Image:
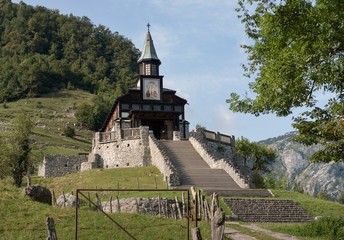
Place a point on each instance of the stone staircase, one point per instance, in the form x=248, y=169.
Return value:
x=266, y=210
x=194, y=171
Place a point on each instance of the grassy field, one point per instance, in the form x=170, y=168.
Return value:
x=51, y=114
x=25, y=219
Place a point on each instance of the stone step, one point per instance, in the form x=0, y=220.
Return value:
x=267, y=210
x=194, y=171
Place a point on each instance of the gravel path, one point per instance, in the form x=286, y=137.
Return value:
x=236, y=235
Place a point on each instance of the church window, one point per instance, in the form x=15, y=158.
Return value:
x=154, y=72
x=148, y=69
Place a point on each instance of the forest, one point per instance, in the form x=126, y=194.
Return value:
x=42, y=51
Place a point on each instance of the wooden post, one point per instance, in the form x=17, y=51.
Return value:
x=111, y=204
x=137, y=206
x=217, y=219
x=53, y=201
x=156, y=184
x=51, y=229
x=99, y=203
x=178, y=208
x=118, y=205
x=64, y=199
x=183, y=205
x=159, y=203
x=138, y=183
x=199, y=196
x=196, y=234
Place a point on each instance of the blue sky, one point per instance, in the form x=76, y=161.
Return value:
x=198, y=43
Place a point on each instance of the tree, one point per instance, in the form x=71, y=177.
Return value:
x=297, y=53
x=20, y=148
x=259, y=153
x=4, y=160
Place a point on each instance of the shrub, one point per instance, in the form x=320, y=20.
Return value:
x=69, y=132
x=322, y=195
x=257, y=179
x=331, y=228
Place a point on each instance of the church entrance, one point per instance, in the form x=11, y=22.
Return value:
x=157, y=127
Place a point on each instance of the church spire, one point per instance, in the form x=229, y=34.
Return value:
x=149, y=61
x=148, y=51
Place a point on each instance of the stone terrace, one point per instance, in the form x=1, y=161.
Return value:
x=267, y=210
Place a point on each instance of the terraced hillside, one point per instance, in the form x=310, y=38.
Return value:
x=51, y=114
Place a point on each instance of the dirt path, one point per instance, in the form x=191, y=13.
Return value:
x=236, y=235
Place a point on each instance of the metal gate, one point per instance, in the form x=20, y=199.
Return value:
x=85, y=194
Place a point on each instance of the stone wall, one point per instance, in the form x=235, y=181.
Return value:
x=218, y=155
x=130, y=150
x=153, y=206
x=59, y=165
x=160, y=159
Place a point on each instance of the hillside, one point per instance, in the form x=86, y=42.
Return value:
x=312, y=178
x=42, y=51
x=51, y=114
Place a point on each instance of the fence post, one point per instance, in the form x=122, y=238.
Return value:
x=51, y=229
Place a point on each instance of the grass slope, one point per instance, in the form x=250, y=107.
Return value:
x=25, y=219
x=51, y=114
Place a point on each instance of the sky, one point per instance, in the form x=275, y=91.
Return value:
x=198, y=43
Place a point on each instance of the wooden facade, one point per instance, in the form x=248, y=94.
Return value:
x=149, y=104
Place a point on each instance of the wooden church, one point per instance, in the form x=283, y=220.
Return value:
x=149, y=103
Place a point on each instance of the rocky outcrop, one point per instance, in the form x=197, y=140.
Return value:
x=38, y=193
x=293, y=163
x=67, y=200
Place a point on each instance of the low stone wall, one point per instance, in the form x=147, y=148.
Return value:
x=160, y=159
x=154, y=206
x=218, y=155
x=59, y=165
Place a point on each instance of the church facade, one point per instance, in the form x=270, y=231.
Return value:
x=149, y=112
x=149, y=104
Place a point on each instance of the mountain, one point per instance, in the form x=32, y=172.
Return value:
x=313, y=178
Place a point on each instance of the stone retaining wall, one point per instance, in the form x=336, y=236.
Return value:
x=218, y=155
x=160, y=159
x=128, y=152
x=59, y=165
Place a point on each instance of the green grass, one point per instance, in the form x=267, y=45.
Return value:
x=50, y=114
x=25, y=219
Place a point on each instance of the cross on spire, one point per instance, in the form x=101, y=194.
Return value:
x=148, y=25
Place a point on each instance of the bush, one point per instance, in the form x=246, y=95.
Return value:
x=257, y=179
x=331, y=228
x=322, y=195
x=69, y=132
x=272, y=181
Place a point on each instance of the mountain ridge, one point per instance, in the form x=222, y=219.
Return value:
x=312, y=178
